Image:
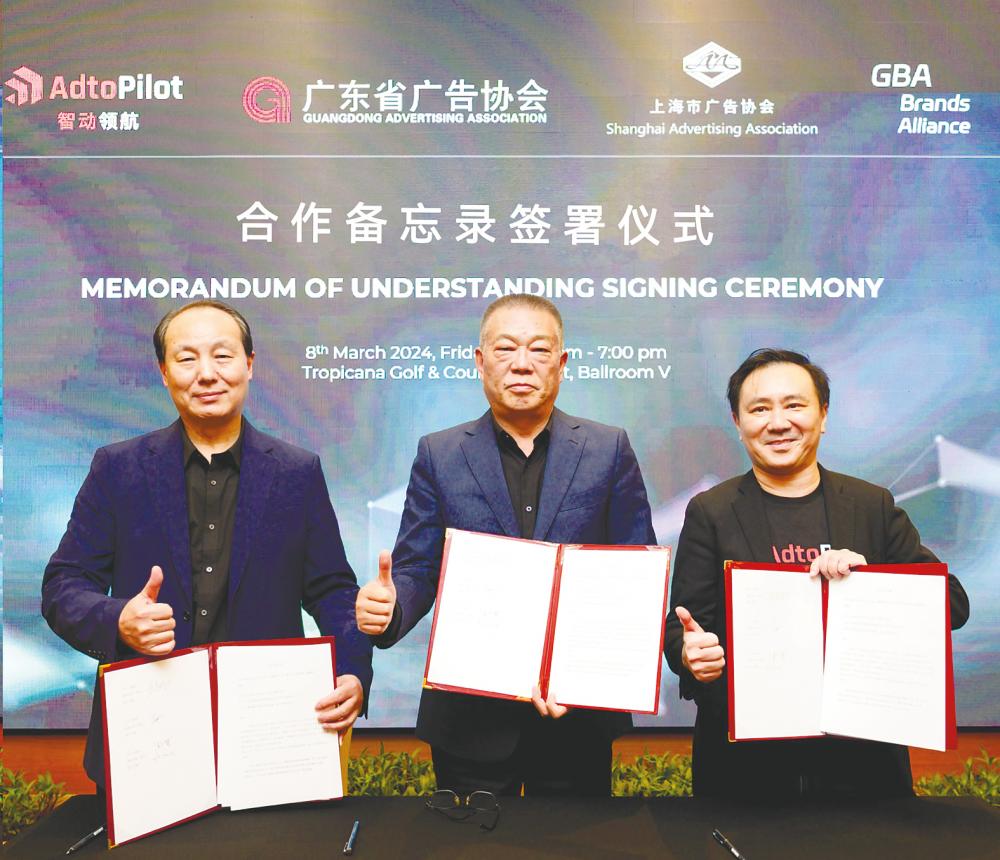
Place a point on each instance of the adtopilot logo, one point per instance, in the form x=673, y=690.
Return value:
x=27, y=87
x=712, y=64
x=274, y=93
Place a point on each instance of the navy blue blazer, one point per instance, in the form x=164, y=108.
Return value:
x=592, y=492
x=131, y=513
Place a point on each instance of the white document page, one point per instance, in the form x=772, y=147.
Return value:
x=776, y=653
x=272, y=749
x=492, y=613
x=160, y=746
x=885, y=658
x=598, y=661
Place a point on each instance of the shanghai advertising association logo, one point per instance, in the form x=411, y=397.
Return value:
x=712, y=64
x=26, y=85
x=273, y=93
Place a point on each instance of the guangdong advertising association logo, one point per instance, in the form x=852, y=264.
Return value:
x=26, y=85
x=443, y=101
x=268, y=100
x=712, y=64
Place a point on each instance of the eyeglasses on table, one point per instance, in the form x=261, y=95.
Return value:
x=455, y=808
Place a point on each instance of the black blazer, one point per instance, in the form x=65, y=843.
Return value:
x=728, y=523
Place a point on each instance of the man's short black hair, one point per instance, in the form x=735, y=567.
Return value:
x=160, y=332
x=769, y=355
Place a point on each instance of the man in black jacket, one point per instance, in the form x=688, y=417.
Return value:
x=786, y=507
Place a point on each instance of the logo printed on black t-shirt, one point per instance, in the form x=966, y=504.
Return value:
x=796, y=554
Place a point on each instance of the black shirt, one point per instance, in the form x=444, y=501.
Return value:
x=523, y=474
x=798, y=526
x=211, y=503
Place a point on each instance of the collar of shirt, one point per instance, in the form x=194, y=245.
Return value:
x=234, y=453
x=539, y=443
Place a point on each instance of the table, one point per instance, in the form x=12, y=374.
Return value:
x=612, y=828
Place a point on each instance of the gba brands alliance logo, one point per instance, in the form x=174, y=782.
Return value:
x=272, y=92
x=26, y=85
x=711, y=64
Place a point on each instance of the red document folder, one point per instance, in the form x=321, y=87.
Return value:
x=163, y=739
x=501, y=623
x=876, y=699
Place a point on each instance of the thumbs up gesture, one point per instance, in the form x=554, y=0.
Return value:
x=701, y=652
x=145, y=625
x=377, y=599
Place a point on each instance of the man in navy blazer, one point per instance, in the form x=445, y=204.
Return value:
x=524, y=469
x=142, y=568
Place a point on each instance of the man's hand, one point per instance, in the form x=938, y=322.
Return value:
x=701, y=652
x=836, y=563
x=547, y=707
x=377, y=600
x=338, y=711
x=145, y=625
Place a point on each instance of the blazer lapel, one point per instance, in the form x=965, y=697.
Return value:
x=257, y=467
x=749, y=510
x=566, y=443
x=839, y=512
x=165, y=475
x=483, y=456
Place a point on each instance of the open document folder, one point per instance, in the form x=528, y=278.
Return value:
x=585, y=622
x=231, y=724
x=867, y=656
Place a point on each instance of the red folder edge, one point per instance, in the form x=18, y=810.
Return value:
x=125, y=664
x=729, y=567
x=550, y=635
x=663, y=633
x=950, y=729
x=550, y=626
x=429, y=685
x=727, y=573
x=437, y=604
x=926, y=569
x=213, y=682
x=935, y=569
x=308, y=640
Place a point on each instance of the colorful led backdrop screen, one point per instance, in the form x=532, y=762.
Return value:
x=687, y=181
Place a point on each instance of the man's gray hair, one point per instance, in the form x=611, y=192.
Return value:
x=160, y=332
x=522, y=300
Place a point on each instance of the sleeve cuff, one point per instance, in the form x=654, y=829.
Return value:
x=391, y=634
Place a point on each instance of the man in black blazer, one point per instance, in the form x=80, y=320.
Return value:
x=786, y=508
x=523, y=469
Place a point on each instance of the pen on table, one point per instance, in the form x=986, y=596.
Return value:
x=90, y=837
x=725, y=843
x=349, y=845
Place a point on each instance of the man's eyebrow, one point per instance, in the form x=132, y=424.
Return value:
x=530, y=339
x=224, y=341
x=784, y=398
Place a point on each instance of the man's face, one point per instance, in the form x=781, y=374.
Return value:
x=780, y=419
x=521, y=360
x=205, y=367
